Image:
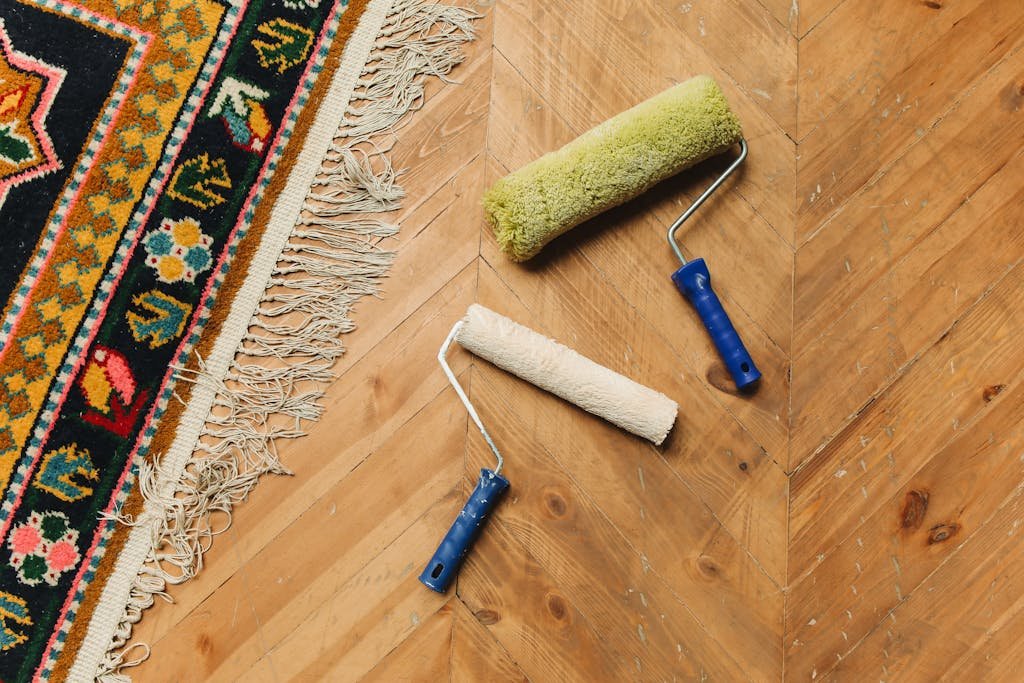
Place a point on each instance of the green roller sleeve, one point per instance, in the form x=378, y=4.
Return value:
x=609, y=165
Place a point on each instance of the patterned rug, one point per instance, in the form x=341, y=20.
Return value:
x=189, y=197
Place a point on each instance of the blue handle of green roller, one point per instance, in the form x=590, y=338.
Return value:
x=694, y=281
x=448, y=557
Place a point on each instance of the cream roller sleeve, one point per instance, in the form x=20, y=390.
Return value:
x=566, y=374
x=610, y=164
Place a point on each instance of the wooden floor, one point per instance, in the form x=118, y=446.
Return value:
x=857, y=519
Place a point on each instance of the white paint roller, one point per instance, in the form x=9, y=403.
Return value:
x=566, y=374
x=551, y=366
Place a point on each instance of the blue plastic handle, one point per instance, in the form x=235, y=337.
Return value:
x=694, y=281
x=448, y=557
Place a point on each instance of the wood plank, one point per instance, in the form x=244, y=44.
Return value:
x=344, y=635
x=582, y=487
x=786, y=12
x=810, y=13
x=997, y=656
x=344, y=531
x=902, y=428
x=878, y=453
x=889, y=555
x=540, y=43
x=475, y=654
x=955, y=610
x=866, y=135
x=715, y=458
x=540, y=626
x=844, y=66
x=220, y=563
x=917, y=195
x=378, y=501
x=908, y=309
x=424, y=655
x=757, y=51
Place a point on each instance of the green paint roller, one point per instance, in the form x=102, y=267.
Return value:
x=613, y=163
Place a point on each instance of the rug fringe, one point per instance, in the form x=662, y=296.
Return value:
x=333, y=258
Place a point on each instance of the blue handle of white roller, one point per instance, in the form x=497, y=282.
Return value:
x=694, y=281
x=448, y=557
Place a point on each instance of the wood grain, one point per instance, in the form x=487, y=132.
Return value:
x=843, y=68
x=889, y=555
x=475, y=654
x=423, y=655
x=877, y=126
x=709, y=451
x=919, y=193
x=909, y=308
x=809, y=13
x=980, y=353
x=857, y=518
x=979, y=587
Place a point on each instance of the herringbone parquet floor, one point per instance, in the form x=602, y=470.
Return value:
x=855, y=520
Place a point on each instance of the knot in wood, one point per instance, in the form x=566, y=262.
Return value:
x=557, y=606
x=942, y=532
x=915, y=505
x=487, y=616
x=708, y=567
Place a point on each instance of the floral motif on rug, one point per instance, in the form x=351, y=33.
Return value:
x=139, y=143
